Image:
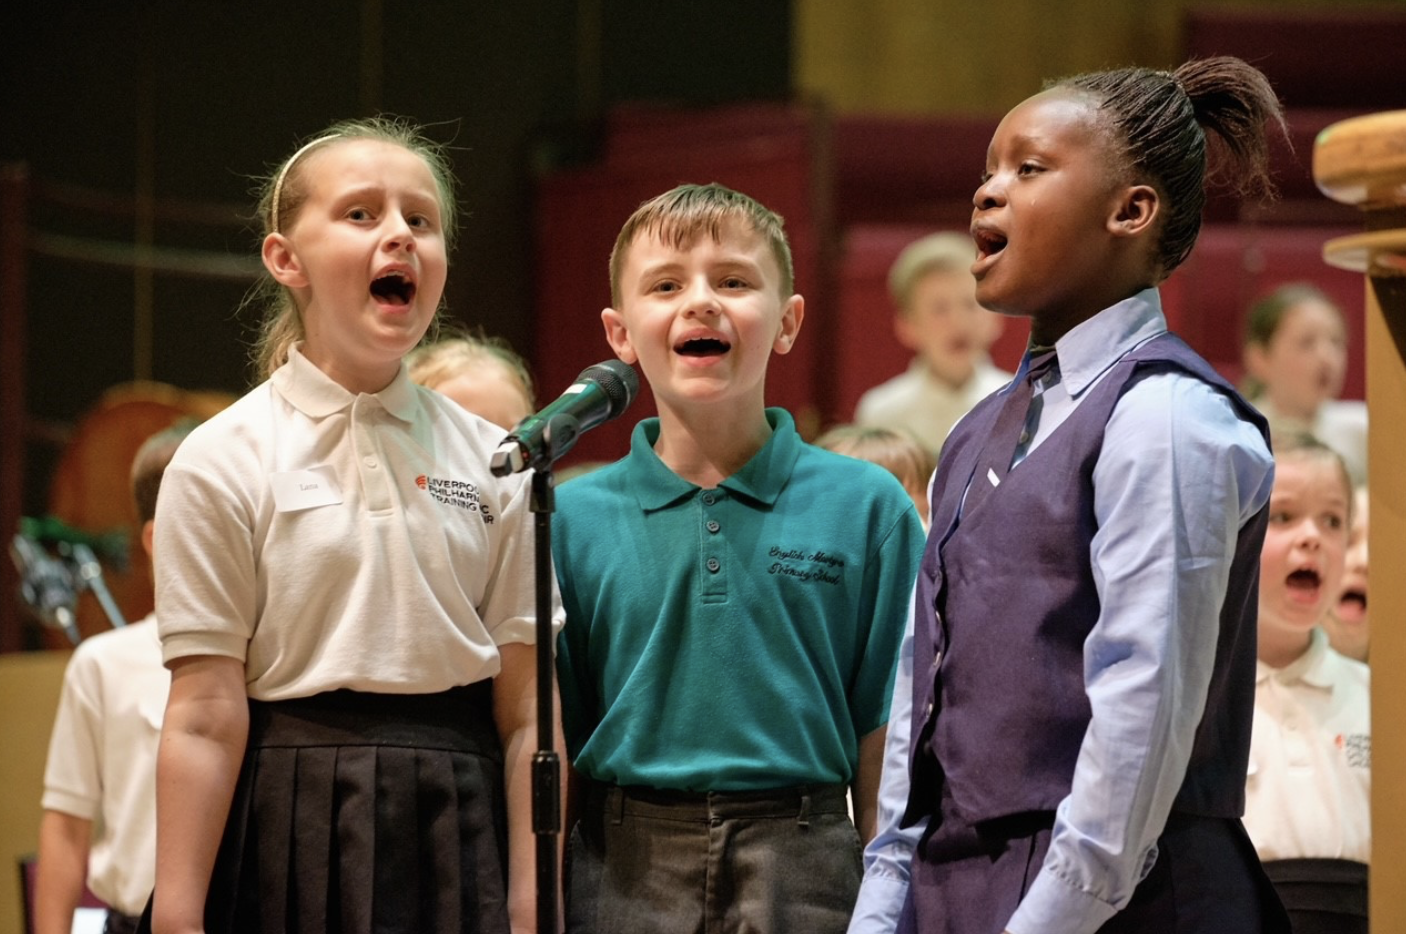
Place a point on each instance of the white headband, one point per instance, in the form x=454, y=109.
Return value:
x=283, y=173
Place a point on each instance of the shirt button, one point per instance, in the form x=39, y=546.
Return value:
x=709, y=499
x=369, y=461
x=712, y=525
x=714, y=564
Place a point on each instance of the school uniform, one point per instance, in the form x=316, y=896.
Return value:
x=918, y=402
x=1308, y=794
x=101, y=765
x=354, y=552
x=1071, y=629
x=725, y=652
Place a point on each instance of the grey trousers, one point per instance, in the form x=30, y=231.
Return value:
x=643, y=861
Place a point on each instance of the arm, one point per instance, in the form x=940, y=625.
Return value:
x=1178, y=475
x=865, y=790
x=202, y=746
x=889, y=855
x=62, y=870
x=515, y=710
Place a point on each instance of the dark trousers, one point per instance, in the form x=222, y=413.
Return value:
x=1322, y=896
x=1207, y=880
x=642, y=861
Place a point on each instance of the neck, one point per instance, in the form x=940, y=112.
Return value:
x=708, y=449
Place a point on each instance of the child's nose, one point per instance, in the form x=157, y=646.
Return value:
x=701, y=300
x=986, y=195
x=398, y=235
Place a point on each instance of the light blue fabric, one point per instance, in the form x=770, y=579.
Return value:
x=1178, y=475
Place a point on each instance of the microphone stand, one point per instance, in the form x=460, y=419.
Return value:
x=546, y=764
x=561, y=433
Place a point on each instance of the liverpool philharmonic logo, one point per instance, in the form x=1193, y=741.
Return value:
x=459, y=493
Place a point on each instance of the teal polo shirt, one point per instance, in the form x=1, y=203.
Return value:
x=743, y=637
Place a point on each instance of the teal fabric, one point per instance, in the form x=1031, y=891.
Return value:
x=731, y=639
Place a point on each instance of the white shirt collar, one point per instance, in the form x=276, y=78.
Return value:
x=317, y=395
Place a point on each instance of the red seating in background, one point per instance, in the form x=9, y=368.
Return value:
x=1340, y=57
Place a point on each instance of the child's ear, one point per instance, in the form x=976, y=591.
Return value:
x=617, y=335
x=792, y=314
x=1136, y=211
x=282, y=263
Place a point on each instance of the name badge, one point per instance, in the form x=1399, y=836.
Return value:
x=304, y=489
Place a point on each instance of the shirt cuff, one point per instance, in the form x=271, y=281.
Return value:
x=71, y=804
x=879, y=904
x=176, y=645
x=1055, y=906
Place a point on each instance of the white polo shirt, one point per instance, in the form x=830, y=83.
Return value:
x=337, y=540
x=102, y=757
x=1310, y=758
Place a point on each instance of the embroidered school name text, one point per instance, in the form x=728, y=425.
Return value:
x=803, y=565
x=459, y=493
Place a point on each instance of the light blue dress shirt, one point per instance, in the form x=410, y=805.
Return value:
x=1178, y=475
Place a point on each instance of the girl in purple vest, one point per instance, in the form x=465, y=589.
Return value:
x=1084, y=627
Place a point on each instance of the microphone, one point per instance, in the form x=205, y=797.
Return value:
x=600, y=393
x=51, y=530
x=46, y=586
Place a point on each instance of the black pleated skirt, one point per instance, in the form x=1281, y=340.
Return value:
x=364, y=813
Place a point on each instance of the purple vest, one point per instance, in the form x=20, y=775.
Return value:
x=1004, y=604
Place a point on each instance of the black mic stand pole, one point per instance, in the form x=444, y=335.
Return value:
x=546, y=764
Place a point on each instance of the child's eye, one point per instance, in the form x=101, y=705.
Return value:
x=358, y=214
x=665, y=286
x=1027, y=168
x=419, y=220
x=1278, y=517
x=985, y=177
x=1334, y=522
x=734, y=282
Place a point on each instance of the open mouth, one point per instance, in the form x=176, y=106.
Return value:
x=394, y=288
x=1304, y=581
x=988, y=242
x=1352, y=605
x=702, y=347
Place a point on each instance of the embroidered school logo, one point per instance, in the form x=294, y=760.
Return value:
x=807, y=565
x=458, y=493
x=1357, y=748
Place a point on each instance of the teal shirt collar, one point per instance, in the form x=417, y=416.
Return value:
x=761, y=479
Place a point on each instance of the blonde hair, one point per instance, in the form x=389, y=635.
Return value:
x=946, y=251
x=455, y=351
x=679, y=217
x=281, y=198
x=1289, y=443
x=897, y=452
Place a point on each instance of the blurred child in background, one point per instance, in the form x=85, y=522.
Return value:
x=483, y=374
x=896, y=451
x=939, y=320
x=1295, y=358
x=1309, y=780
x=1346, y=623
